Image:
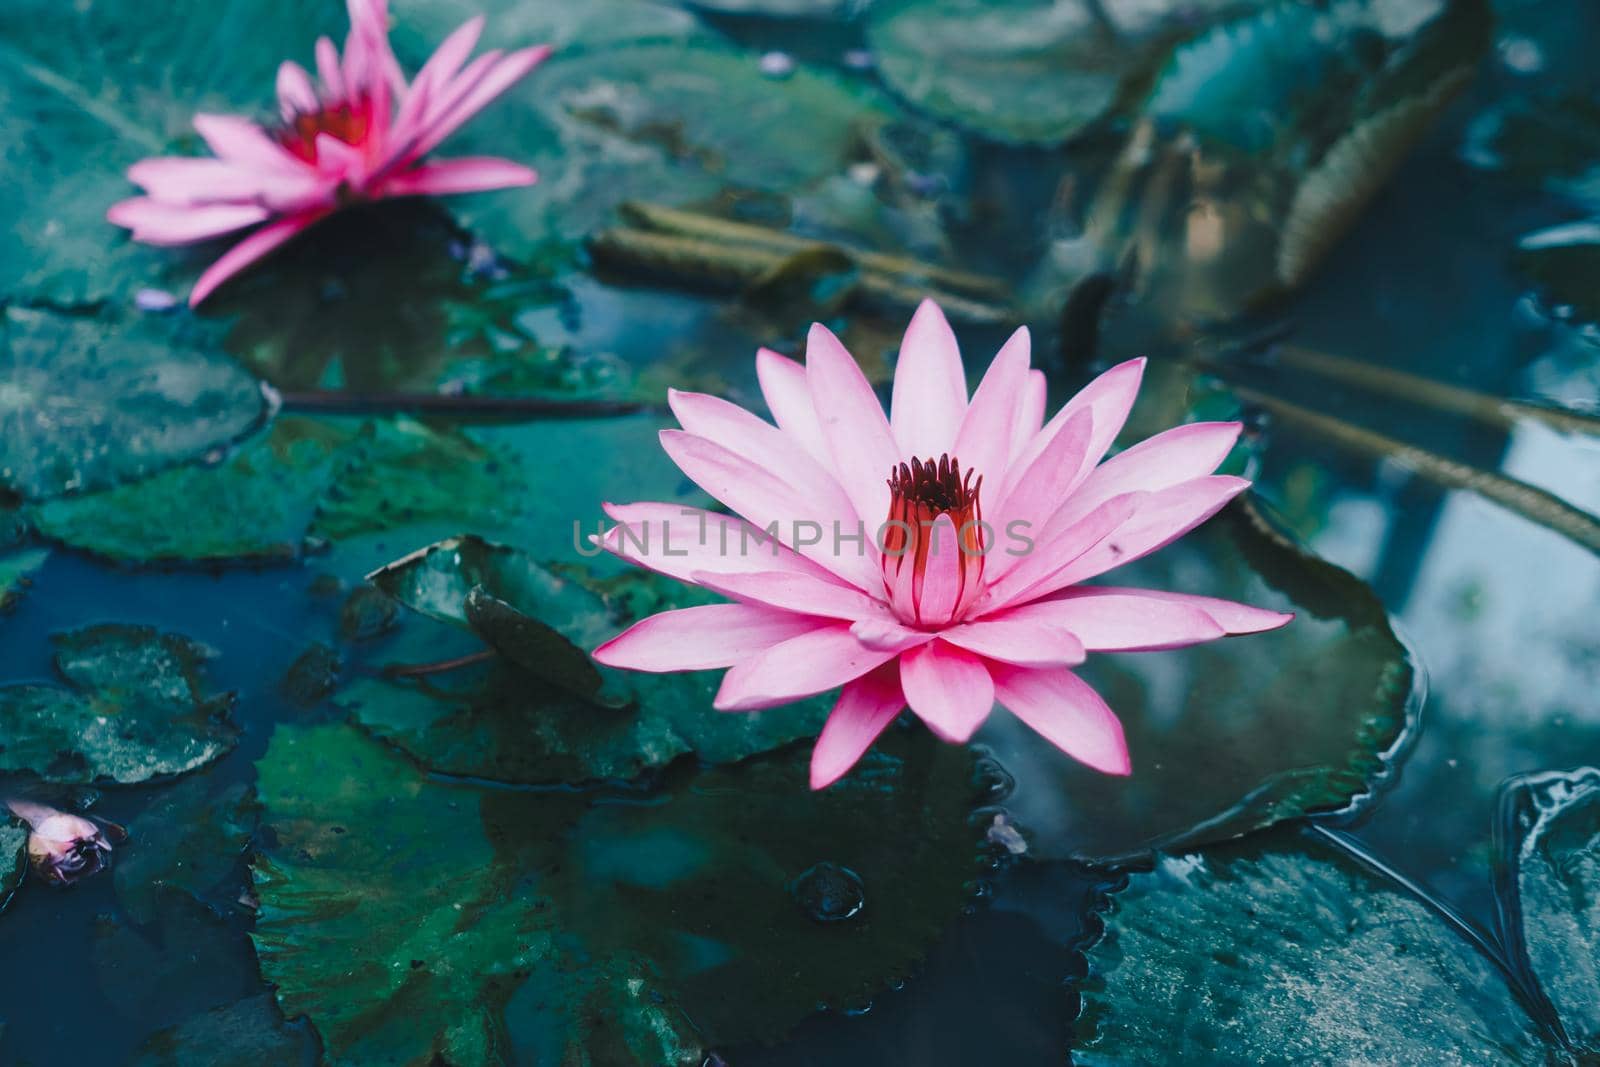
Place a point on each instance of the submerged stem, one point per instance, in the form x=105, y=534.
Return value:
x=418, y=670
x=1532, y=503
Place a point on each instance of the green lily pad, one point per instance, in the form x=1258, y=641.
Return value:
x=308, y=478
x=567, y=28
x=1282, y=950
x=84, y=405
x=672, y=123
x=788, y=9
x=190, y=839
x=247, y=1033
x=13, y=858
x=15, y=570
x=92, y=89
x=546, y=712
x=1234, y=735
x=1029, y=71
x=133, y=709
x=498, y=926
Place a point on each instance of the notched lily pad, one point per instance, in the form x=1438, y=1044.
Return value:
x=545, y=712
x=1280, y=949
x=1234, y=735
x=134, y=708
x=498, y=926
x=85, y=405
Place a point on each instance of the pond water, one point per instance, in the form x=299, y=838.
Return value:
x=491, y=865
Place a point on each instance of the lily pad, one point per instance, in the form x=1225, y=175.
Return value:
x=191, y=839
x=85, y=405
x=247, y=1033
x=322, y=479
x=1234, y=735
x=672, y=123
x=546, y=712
x=15, y=569
x=90, y=89
x=497, y=926
x=133, y=709
x=1280, y=949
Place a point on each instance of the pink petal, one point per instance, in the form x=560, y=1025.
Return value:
x=1160, y=519
x=243, y=142
x=783, y=384
x=949, y=688
x=328, y=69
x=1030, y=418
x=1176, y=455
x=942, y=586
x=1012, y=638
x=706, y=637
x=679, y=541
x=174, y=224
x=1114, y=621
x=769, y=502
x=1109, y=397
x=185, y=180
x=506, y=73
x=852, y=422
x=983, y=442
x=1232, y=616
x=296, y=94
x=473, y=174
x=866, y=707
x=789, y=591
x=403, y=148
x=1065, y=711
x=436, y=73
x=1036, y=572
x=886, y=635
x=248, y=251
x=800, y=667
x=338, y=161
x=930, y=386
x=1039, y=488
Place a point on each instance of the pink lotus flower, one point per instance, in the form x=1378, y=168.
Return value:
x=63, y=848
x=357, y=133
x=982, y=522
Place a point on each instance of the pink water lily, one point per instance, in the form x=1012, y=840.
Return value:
x=982, y=522
x=62, y=848
x=358, y=131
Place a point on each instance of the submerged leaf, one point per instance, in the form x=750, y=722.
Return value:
x=1280, y=949
x=135, y=710
x=497, y=926
x=15, y=569
x=85, y=405
x=13, y=858
x=246, y=1033
x=191, y=839
x=1234, y=735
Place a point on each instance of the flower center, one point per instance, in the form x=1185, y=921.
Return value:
x=347, y=121
x=933, y=541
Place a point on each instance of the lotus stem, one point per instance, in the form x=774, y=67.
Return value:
x=1532, y=503
x=418, y=670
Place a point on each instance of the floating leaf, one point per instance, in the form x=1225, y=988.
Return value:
x=190, y=839
x=15, y=570
x=791, y=9
x=1280, y=949
x=246, y=1033
x=499, y=926
x=667, y=122
x=535, y=718
x=135, y=710
x=84, y=405
x=326, y=479
x=1234, y=735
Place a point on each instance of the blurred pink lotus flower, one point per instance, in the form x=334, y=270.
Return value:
x=357, y=132
x=63, y=848
x=981, y=520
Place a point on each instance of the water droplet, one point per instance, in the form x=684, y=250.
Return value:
x=829, y=893
x=777, y=64
x=860, y=59
x=154, y=300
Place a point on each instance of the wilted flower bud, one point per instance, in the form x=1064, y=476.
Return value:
x=63, y=848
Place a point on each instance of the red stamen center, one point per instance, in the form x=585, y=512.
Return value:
x=919, y=493
x=347, y=121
